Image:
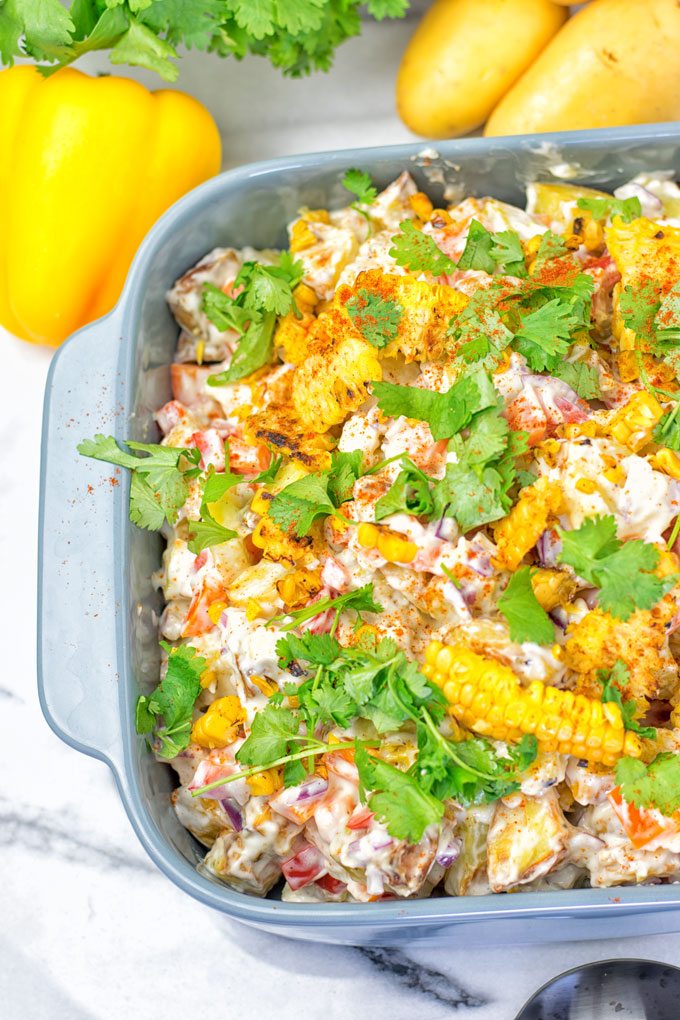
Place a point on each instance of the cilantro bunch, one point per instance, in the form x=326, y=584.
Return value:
x=262, y=293
x=166, y=714
x=656, y=785
x=297, y=36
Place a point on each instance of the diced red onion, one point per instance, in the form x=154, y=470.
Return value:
x=232, y=812
x=311, y=789
x=448, y=854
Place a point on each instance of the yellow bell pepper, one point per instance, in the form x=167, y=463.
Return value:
x=86, y=167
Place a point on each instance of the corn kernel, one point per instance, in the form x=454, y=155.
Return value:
x=200, y=351
x=615, y=475
x=586, y=485
x=261, y=502
x=254, y=610
x=627, y=366
x=264, y=684
x=264, y=783
x=220, y=724
x=633, y=424
x=396, y=549
x=421, y=205
x=367, y=535
x=215, y=610
x=667, y=461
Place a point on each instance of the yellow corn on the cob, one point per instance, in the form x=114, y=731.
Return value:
x=488, y=698
x=298, y=587
x=393, y=547
x=633, y=424
x=219, y=725
x=519, y=532
x=279, y=546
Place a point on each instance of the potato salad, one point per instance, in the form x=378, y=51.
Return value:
x=419, y=481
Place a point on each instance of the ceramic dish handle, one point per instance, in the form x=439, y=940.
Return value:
x=77, y=612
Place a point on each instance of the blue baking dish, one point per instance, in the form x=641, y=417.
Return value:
x=98, y=647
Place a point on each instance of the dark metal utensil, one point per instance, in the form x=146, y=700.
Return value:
x=609, y=990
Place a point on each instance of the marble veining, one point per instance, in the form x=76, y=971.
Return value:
x=90, y=929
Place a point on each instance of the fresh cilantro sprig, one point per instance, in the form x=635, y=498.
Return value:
x=377, y=318
x=527, y=619
x=656, y=785
x=263, y=292
x=409, y=493
x=489, y=252
x=419, y=252
x=208, y=532
x=667, y=431
x=621, y=570
x=551, y=247
x=613, y=682
x=446, y=413
x=297, y=37
x=166, y=714
x=607, y=207
x=360, y=184
x=583, y=379
x=361, y=600
x=159, y=485
x=397, y=798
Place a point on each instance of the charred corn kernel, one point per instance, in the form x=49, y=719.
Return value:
x=264, y=783
x=261, y=501
x=215, y=610
x=615, y=475
x=421, y=205
x=301, y=236
x=253, y=610
x=586, y=485
x=667, y=564
x=276, y=544
x=297, y=588
x=264, y=684
x=552, y=587
x=589, y=232
x=488, y=698
x=519, y=532
x=666, y=461
x=305, y=298
x=633, y=424
x=589, y=429
x=293, y=334
x=220, y=724
x=396, y=549
x=367, y=535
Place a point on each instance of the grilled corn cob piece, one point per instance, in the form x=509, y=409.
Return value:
x=488, y=698
x=333, y=380
x=219, y=725
x=519, y=532
x=598, y=640
x=293, y=333
x=552, y=587
x=283, y=431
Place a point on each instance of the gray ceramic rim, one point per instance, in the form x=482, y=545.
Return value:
x=433, y=912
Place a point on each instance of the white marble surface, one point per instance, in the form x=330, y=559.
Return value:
x=90, y=929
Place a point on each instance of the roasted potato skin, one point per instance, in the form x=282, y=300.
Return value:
x=614, y=63
x=464, y=56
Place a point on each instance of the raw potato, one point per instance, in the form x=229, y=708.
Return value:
x=615, y=62
x=464, y=56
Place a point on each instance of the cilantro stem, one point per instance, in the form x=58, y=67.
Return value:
x=674, y=533
x=447, y=747
x=306, y=752
x=383, y=464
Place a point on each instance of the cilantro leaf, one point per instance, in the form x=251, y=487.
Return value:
x=477, y=251
x=607, y=207
x=656, y=785
x=361, y=185
x=583, y=379
x=359, y=599
x=527, y=619
x=638, y=309
x=486, y=251
x=344, y=471
x=418, y=252
x=262, y=293
x=319, y=649
x=296, y=507
x=158, y=486
x=667, y=321
x=272, y=730
x=613, y=681
x=409, y=493
x=667, y=431
x=446, y=413
x=376, y=317
x=621, y=570
x=168, y=710
x=397, y=800
x=544, y=335
x=207, y=533
x=552, y=246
